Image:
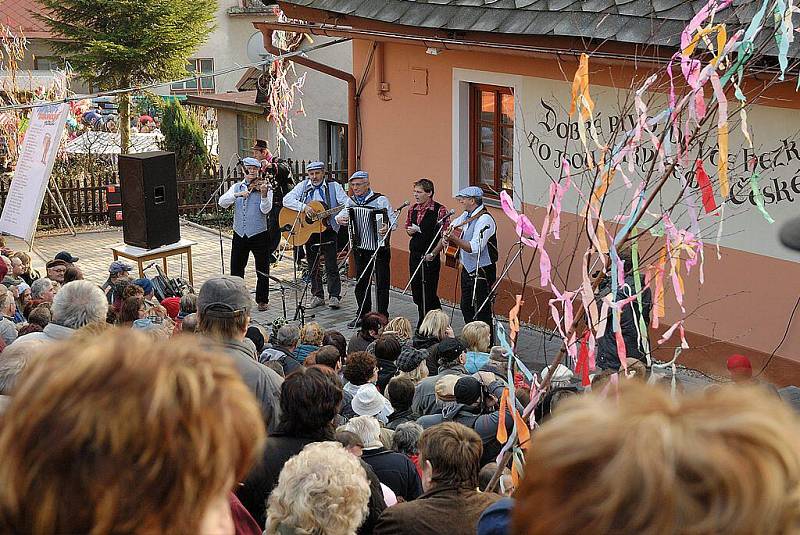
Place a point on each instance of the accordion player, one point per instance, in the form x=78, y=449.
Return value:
x=367, y=212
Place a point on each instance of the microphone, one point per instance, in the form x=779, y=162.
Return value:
x=406, y=203
x=448, y=214
x=484, y=229
x=241, y=162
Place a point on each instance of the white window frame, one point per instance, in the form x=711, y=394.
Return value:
x=462, y=78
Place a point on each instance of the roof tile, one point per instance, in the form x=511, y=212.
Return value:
x=632, y=21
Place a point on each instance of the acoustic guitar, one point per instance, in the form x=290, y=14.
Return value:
x=451, y=252
x=298, y=230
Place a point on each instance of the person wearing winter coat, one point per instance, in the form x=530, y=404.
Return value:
x=635, y=340
x=475, y=406
x=450, y=458
x=310, y=399
x=451, y=362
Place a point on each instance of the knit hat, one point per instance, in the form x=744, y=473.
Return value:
x=467, y=390
x=449, y=350
x=367, y=401
x=173, y=306
x=22, y=287
x=739, y=366
x=445, y=387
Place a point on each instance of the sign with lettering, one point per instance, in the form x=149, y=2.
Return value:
x=32, y=173
x=550, y=135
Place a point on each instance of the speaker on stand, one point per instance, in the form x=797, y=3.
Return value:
x=149, y=199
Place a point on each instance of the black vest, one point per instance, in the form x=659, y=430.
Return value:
x=422, y=240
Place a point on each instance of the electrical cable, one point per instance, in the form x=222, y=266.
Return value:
x=138, y=88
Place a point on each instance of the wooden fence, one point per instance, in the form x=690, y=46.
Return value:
x=86, y=198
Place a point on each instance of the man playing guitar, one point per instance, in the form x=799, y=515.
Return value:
x=477, y=248
x=331, y=194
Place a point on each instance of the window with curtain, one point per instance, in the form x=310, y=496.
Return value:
x=491, y=138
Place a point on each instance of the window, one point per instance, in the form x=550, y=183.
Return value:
x=333, y=143
x=197, y=66
x=246, y=128
x=491, y=125
x=48, y=63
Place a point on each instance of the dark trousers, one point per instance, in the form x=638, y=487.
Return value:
x=381, y=275
x=425, y=285
x=273, y=229
x=323, y=243
x=240, y=254
x=486, y=278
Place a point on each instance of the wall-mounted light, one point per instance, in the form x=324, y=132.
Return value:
x=433, y=51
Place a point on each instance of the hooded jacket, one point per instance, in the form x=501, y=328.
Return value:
x=425, y=401
x=483, y=424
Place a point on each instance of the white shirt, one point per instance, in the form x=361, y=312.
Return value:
x=297, y=198
x=229, y=197
x=478, y=242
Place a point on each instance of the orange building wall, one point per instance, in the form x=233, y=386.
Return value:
x=746, y=299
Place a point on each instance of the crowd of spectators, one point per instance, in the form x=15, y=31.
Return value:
x=123, y=414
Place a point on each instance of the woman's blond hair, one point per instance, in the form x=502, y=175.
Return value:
x=417, y=374
x=434, y=324
x=476, y=335
x=719, y=462
x=122, y=434
x=312, y=334
x=321, y=490
x=400, y=327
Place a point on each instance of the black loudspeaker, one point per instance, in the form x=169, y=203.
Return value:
x=149, y=199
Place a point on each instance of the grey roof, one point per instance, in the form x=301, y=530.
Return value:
x=652, y=22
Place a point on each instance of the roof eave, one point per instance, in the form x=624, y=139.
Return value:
x=200, y=100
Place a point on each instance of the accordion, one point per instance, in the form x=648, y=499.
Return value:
x=364, y=224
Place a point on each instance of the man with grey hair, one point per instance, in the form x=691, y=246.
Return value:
x=13, y=360
x=76, y=304
x=406, y=440
x=42, y=290
x=394, y=470
x=283, y=349
x=189, y=324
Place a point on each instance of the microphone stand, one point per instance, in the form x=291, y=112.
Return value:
x=435, y=240
x=371, y=264
x=297, y=299
x=216, y=194
x=500, y=279
x=477, y=271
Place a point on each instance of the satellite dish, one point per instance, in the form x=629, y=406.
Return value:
x=255, y=48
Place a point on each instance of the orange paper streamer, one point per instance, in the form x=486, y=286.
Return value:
x=502, y=434
x=513, y=319
x=580, y=90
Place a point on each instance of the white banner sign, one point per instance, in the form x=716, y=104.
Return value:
x=32, y=173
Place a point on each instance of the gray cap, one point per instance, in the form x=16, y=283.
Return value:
x=224, y=297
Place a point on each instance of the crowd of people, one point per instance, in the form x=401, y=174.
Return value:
x=128, y=415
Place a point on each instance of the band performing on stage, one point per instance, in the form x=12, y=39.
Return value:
x=310, y=214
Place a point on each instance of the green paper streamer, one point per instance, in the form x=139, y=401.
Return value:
x=637, y=285
x=759, y=197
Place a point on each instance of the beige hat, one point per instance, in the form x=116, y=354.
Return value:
x=445, y=387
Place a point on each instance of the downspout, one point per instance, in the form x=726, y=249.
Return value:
x=381, y=85
x=352, y=99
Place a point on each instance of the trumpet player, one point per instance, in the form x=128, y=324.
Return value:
x=252, y=202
